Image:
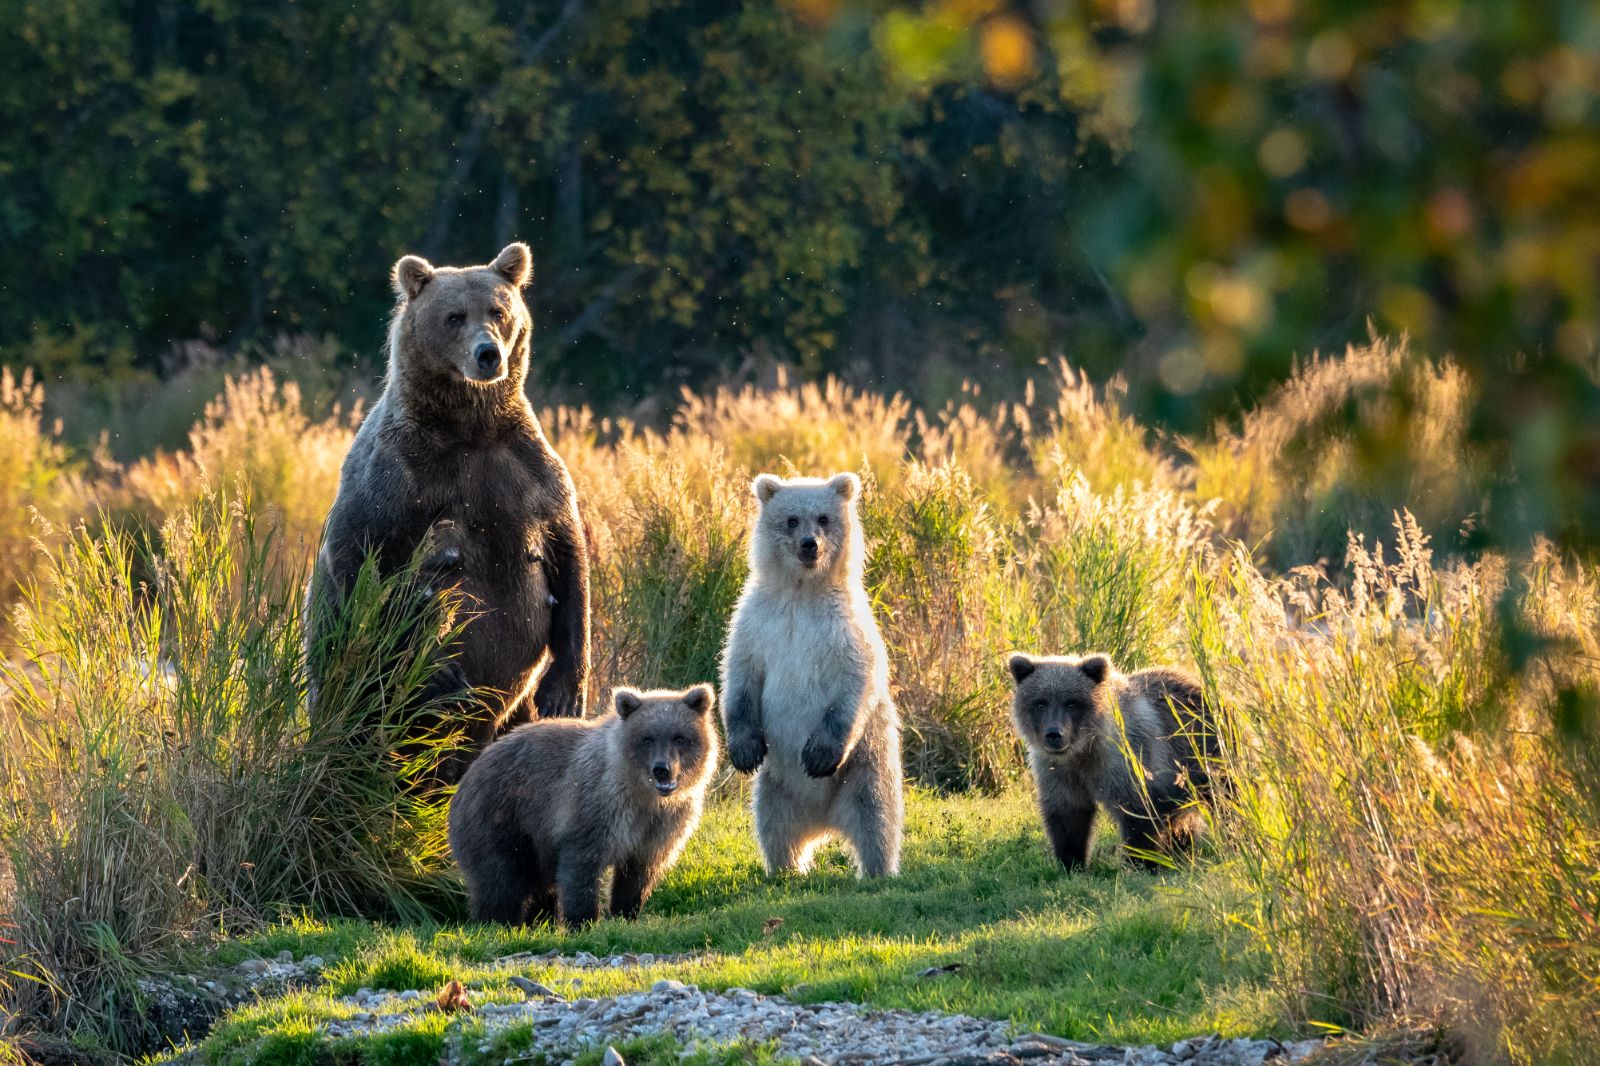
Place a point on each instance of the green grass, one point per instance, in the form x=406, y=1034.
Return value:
x=1110, y=954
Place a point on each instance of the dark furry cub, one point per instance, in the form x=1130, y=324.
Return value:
x=542, y=814
x=1146, y=774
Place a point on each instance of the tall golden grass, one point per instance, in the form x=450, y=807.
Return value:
x=1410, y=738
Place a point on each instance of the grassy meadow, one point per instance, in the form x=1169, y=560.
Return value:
x=1411, y=839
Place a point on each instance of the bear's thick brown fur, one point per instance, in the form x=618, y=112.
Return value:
x=1137, y=744
x=541, y=815
x=453, y=455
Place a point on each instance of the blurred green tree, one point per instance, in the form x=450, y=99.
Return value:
x=1291, y=174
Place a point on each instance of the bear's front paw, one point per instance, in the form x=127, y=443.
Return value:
x=746, y=752
x=821, y=756
x=557, y=697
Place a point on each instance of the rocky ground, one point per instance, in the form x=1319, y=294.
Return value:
x=835, y=1034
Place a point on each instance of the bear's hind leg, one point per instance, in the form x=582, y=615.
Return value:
x=786, y=830
x=869, y=812
x=503, y=886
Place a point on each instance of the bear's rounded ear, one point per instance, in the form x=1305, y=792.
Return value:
x=1021, y=666
x=627, y=701
x=699, y=699
x=766, y=487
x=514, y=263
x=411, y=273
x=1095, y=668
x=846, y=485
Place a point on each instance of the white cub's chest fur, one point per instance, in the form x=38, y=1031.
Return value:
x=810, y=646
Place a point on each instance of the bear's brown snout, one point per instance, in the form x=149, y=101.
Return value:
x=666, y=783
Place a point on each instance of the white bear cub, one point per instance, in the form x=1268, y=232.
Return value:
x=805, y=679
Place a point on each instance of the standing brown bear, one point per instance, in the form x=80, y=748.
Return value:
x=452, y=454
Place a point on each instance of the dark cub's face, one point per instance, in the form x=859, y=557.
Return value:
x=669, y=737
x=1057, y=699
x=470, y=324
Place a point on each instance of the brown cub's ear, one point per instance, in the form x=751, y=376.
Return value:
x=627, y=700
x=846, y=485
x=1021, y=666
x=411, y=273
x=1095, y=668
x=699, y=699
x=766, y=487
x=514, y=263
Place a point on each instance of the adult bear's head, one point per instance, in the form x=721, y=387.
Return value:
x=462, y=325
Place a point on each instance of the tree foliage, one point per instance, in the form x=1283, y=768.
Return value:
x=1196, y=194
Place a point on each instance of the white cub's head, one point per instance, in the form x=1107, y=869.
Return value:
x=807, y=529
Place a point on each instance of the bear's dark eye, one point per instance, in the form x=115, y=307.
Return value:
x=793, y=522
x=456, y=318
x=680, y=741
x=1041, y=706
x=498, y=314
x=822, y=519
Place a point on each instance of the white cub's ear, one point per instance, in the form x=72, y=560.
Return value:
x=627, y=700
x=514, y=263
x=699, y=699
x=1095, y=668
x=765, y=486
x=1021, y=666
x=411, y=273
x=846, y=485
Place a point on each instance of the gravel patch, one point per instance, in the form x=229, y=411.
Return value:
x=825, y=1034
x=583, y=960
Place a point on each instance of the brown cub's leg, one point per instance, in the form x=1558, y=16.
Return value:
x=630, y=887
x=1141, y=837
x=1069, y=828
x=503, y=885
x=578, y=883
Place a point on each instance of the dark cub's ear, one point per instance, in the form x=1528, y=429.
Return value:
x=699, y=699
x=514, y=263
x=1021, y=666
x=1095, y=668
x=627, y=700
x=410, y=274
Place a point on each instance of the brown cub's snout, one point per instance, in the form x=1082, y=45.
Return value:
x=668, y=740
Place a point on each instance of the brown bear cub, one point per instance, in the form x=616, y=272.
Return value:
x=551, y=806
x=452, y=457
x=1146, y=775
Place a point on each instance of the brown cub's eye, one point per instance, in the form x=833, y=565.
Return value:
x=680, y=741
x=1041, y=706
x=456, y=318
x=822, y=519
x=793, y=522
